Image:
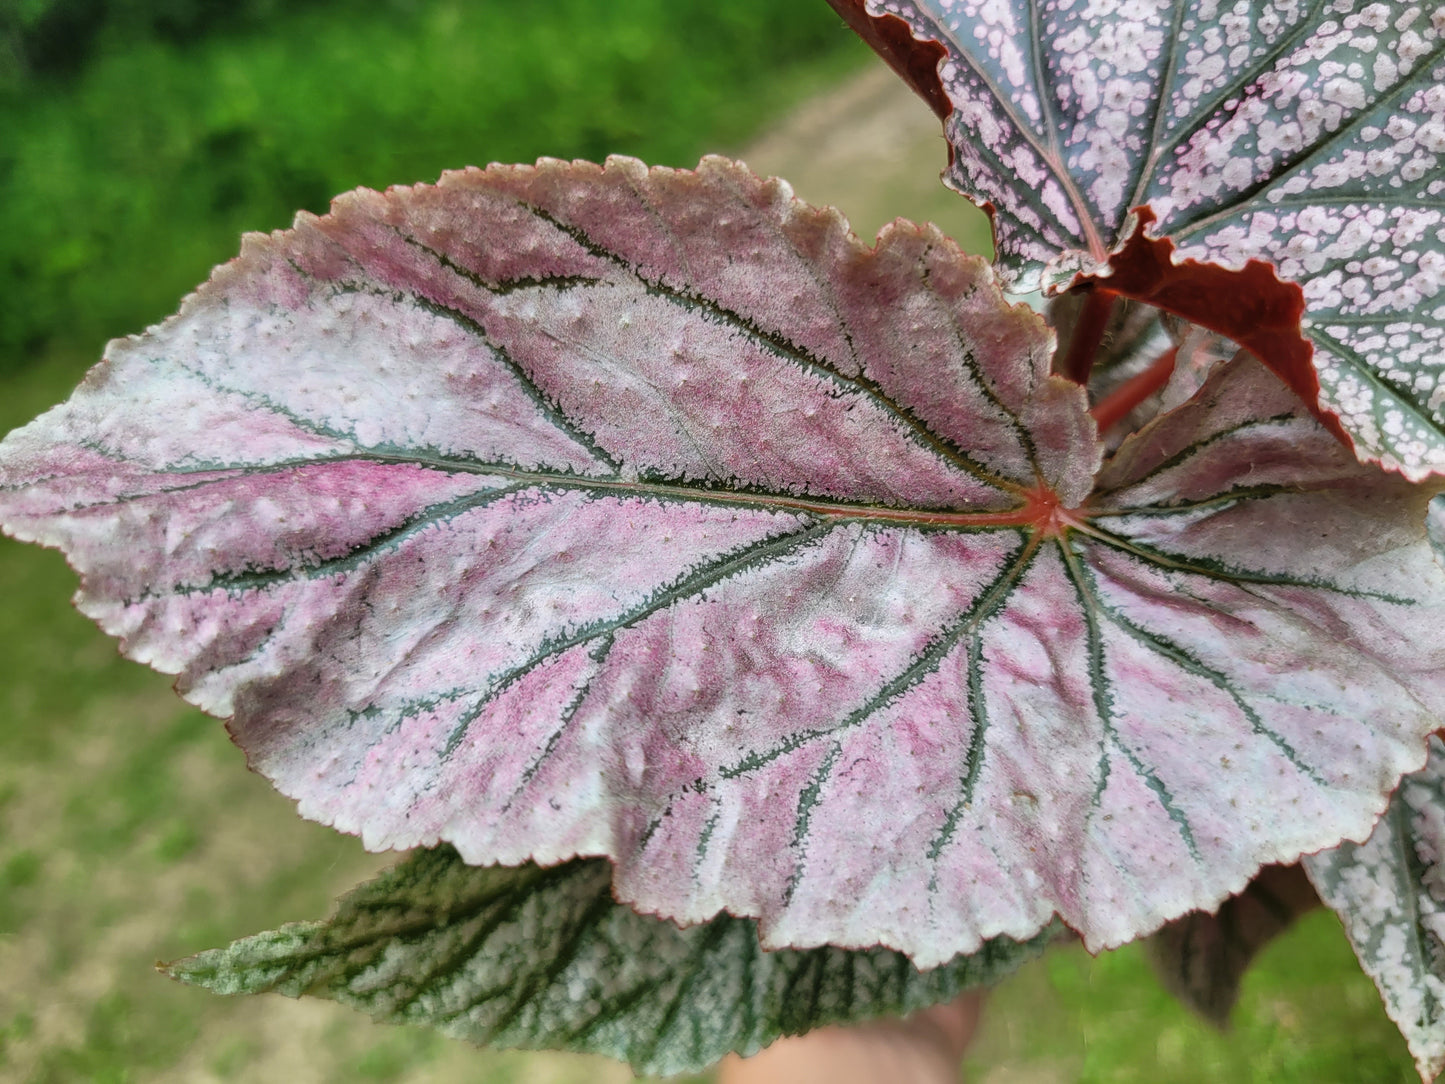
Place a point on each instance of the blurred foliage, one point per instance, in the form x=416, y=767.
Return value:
x=139, y=138
x=43, y=37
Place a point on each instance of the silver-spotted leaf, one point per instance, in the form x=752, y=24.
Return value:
x=546, y=959
x=1390, y=894
x=1306, y=135
x=568, y=511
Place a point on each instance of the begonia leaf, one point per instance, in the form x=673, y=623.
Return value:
x=565, y=511
x=1390, y=894
x=545, y=959
x=1214, y=159
x=1202, y=958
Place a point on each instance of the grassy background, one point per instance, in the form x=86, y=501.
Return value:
x=137, y=139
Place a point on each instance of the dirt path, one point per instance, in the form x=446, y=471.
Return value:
x=871, y=148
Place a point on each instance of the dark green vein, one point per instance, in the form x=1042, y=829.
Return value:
x=1410, y=883
x=502, y=287
x=1044, y=91
x=1221, y=501
x=1321, y=149
x=1157, y=122
x=1202, y=112
x=1181, y=658
x=1102, y=688
x=553, y=411
x=1372, y=375
x=690, y=583
x=973, y=759
x=387, y=541
x=692, y=969
x=970, y=363
x=705, y=837
x=1219, y=571
x=598, y=655
x=1284, y=420
x=658, y=488
x=559, y=960
x=454, y=963
x=808, y=801
x=306, y=425
x=925, y=663
x=399, y=918
x=786, y=350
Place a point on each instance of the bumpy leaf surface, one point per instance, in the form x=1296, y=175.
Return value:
x=545, y=959
x=567, y=511
x=1304, y=133
x=1390, y=894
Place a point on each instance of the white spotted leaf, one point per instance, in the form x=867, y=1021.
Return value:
x=568, y=511
x=1390, y=894
x=545, y=959
x=1303, y=134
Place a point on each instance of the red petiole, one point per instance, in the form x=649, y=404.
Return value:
x=1089, y=333
x=1118, y=404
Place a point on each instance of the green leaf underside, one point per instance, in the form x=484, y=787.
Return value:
x=545, y=959
x=1390, y=894
x=1310, y=135
x=515, y=513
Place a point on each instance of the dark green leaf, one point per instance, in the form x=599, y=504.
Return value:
x=537, y=957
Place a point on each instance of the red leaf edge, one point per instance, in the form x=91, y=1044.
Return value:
x=916, y=60
x=1253, y=307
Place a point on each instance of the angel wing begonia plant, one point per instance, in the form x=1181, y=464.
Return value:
x=755, y=628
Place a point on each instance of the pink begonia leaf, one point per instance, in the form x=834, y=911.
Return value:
x=1390, y=894
x=569, y=511
x=1307, y=136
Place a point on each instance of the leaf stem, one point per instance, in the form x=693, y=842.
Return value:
x=1088, y=334
x=1117, y=405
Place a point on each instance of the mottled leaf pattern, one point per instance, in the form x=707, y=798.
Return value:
x=567, y=511
x=1303, y=133
x=545, y=959
x=1202, y=957
x=1390, y=894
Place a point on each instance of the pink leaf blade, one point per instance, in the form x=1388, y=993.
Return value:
x=858, y=677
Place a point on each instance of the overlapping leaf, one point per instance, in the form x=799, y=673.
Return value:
x=1390, y=894
x=1202, y=957
x=1310, y=135
x=567, y=511
x=545, y=959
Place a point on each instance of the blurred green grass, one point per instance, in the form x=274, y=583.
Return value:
x=123, y=183
x=129, y=827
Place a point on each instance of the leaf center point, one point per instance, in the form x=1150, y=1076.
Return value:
x=1045, y=514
